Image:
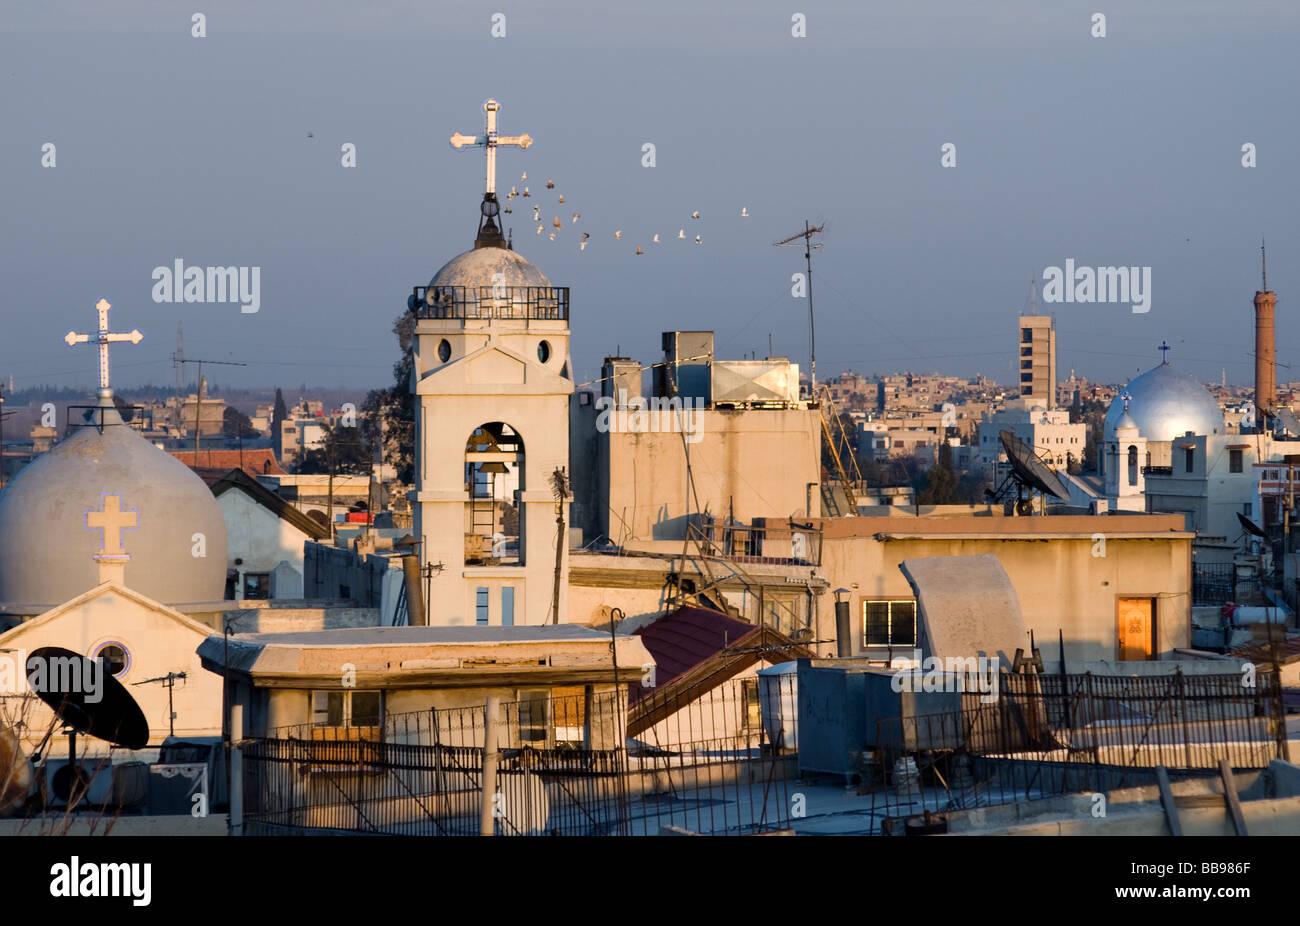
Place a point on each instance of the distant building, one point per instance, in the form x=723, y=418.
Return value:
x=1038, y=359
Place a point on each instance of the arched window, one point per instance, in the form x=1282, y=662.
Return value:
x=494, y=475
x=1132, y=465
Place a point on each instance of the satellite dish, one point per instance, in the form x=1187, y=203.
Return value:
x=1289, y=421
x=113, y=716
x=1250, y=526
x=1029, y=472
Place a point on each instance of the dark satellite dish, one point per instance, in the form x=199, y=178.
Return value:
x=114, y=715
x=1250, y=526
x=1028, y=474
x=1289, y=421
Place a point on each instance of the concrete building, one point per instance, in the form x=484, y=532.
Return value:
x=1076, y=575
x=1049, y=432
x=1037, y=343
x=754, y=446
x=263, y=532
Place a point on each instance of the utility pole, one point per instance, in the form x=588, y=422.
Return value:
x=198, y=406
x=808, y=231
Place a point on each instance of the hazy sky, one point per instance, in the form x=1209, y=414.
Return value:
x=1117, y=150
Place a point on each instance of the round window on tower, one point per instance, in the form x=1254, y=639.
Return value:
x=444, y=350
x=115, y=657
x=544, y=351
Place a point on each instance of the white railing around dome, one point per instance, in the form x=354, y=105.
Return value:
x=520, y=302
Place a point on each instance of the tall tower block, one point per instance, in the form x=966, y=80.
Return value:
x=1265, y=352
x=1037, y=342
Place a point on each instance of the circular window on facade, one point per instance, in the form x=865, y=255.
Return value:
x=444, y=350
x=115, y=656
x=544, y=351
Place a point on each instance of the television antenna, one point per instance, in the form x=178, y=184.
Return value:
x=806, y=236
x=198, y=405
x=168, y=681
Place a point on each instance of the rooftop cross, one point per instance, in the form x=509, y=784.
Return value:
x=1125, y=398
x=1164, y=349
x=103, y=338
x=489, y=140
x=112, y=519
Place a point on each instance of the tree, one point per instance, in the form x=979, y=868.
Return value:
x=280, y=413
x=235, y=424
x=395, y=406
x=940, y=483
x=348, y=448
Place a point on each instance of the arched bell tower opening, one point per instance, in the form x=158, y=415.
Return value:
x=494, y=481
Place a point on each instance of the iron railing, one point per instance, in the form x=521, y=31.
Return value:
x=719, y=761
x=1051, y=735
x=561, y=771
x=1213, y=583
x=547, y=303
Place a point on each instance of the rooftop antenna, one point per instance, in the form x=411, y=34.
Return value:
x=808, y=231
x=1263, y=265
x=198, y=409
x=178, y=359
x=1033, y=294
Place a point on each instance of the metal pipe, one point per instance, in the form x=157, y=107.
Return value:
x=490, y=759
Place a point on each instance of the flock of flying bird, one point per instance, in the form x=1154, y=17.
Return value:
x=558, y=226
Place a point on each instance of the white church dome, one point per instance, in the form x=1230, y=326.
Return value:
x=48, y=530
x=480, y=266
x=1165, y=404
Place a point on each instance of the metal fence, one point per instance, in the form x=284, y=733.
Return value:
x=716, y=760
x=560, y=771
x=1213, y=583
x=1050, y=735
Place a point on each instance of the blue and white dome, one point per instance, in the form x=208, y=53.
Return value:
x=1165, y=404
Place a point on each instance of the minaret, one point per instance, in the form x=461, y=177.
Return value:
x=1265, y=355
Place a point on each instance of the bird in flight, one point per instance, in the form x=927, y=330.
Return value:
x=744, y=212
x=695, y=214
x=656, y=239
x=681, y=233
x=618, y=234
x=550, y=184
x=576, y=216
x=557, y=223
x=638, y=249
x=697, y=239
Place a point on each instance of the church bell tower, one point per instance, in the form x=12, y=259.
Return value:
x=492, y=380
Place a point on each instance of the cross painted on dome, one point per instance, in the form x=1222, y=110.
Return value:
x=103, y=338
x=111, y=519
x=490, y=140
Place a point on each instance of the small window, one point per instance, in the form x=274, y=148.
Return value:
x=346, y=708
x=481, y=606
x=257, y=585
x=544, y=351
x=508, y=606
x=889, y=623
x=444, y=350
x=1190, y=459
x=1026, y=335
x=1234, y=461
x=115, y=658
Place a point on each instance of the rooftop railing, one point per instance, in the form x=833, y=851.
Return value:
x=549, y=303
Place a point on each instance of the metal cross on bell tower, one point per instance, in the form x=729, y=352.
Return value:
x=1164, y=349
x=488, y=233
x=103, y=338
